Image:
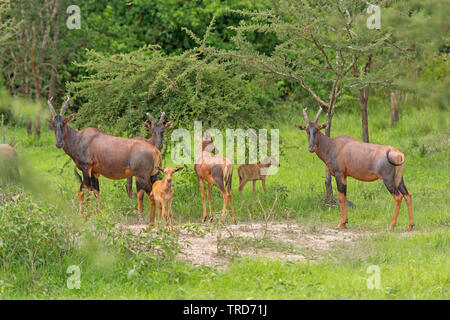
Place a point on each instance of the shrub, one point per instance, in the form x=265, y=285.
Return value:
x=32, y=237
x=122, y=88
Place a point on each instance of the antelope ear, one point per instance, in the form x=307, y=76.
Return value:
x=50, y=122
x=322, y=126
x=299, y=127
x=70, y=118
x=161, y=170
x=179, y=169
x=168, y=125
x=197, y=138
x=147, y=126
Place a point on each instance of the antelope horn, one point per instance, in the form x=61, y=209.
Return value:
x=64, y=108
x=305, y=115
x=318, y=115
x=50, y=106
x=161, y=119
x=150, y=117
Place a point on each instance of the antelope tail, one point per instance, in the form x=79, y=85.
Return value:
x=392, y=162
x=398, y=167
x=228, y=175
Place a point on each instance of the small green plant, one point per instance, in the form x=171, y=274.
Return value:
x=32, y=141
x=423, y=151
x=413, y=144
x=281, y=190
x=144, y=249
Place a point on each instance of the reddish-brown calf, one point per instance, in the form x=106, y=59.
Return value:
x=162, y=192
x=255, y=171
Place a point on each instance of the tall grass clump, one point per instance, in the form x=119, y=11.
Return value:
x=33, y=239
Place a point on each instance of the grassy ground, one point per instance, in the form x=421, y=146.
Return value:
x=412, y=265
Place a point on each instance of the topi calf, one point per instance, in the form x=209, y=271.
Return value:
x=162, y=192
x=157, y=129
x=255, y=171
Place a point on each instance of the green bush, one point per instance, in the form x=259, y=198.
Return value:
x=122, y=88
x=32, y=237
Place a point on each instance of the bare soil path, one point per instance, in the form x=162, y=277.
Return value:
x=215, y=245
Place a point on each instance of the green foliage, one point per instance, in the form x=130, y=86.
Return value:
x=107, y=26
x=122, y=88
x=115, y=27
x=149, y=249
x=32, y=237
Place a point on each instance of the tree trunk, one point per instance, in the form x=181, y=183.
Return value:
x=54, y=68
x=37, y=124
x=364, y=98
x=29, y=127
x=36, y=76
x=363, y=95
x=394, y=108
x=328, y=185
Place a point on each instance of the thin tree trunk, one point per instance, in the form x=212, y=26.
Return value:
x=328, y=184
x=364, y=98
x=29, y=127
x=363, y=95
x=3, y=132
x=37, y=124
x=394, y=108
x=36, y=76
x=54, y=71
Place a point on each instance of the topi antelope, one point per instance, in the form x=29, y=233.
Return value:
x=162, y=192
x=97, y=153
x=255, y=171
x=347, y=157
x=216, y=170
x=157, y=129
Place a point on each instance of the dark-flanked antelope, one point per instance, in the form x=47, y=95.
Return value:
x=216, y=170
x=255, y=171
x=157, y=129
x=97, y=153
x=347, y=157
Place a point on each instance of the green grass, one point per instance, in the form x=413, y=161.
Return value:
x=413, y=265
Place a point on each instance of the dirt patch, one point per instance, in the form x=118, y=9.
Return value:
x=216, y=245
